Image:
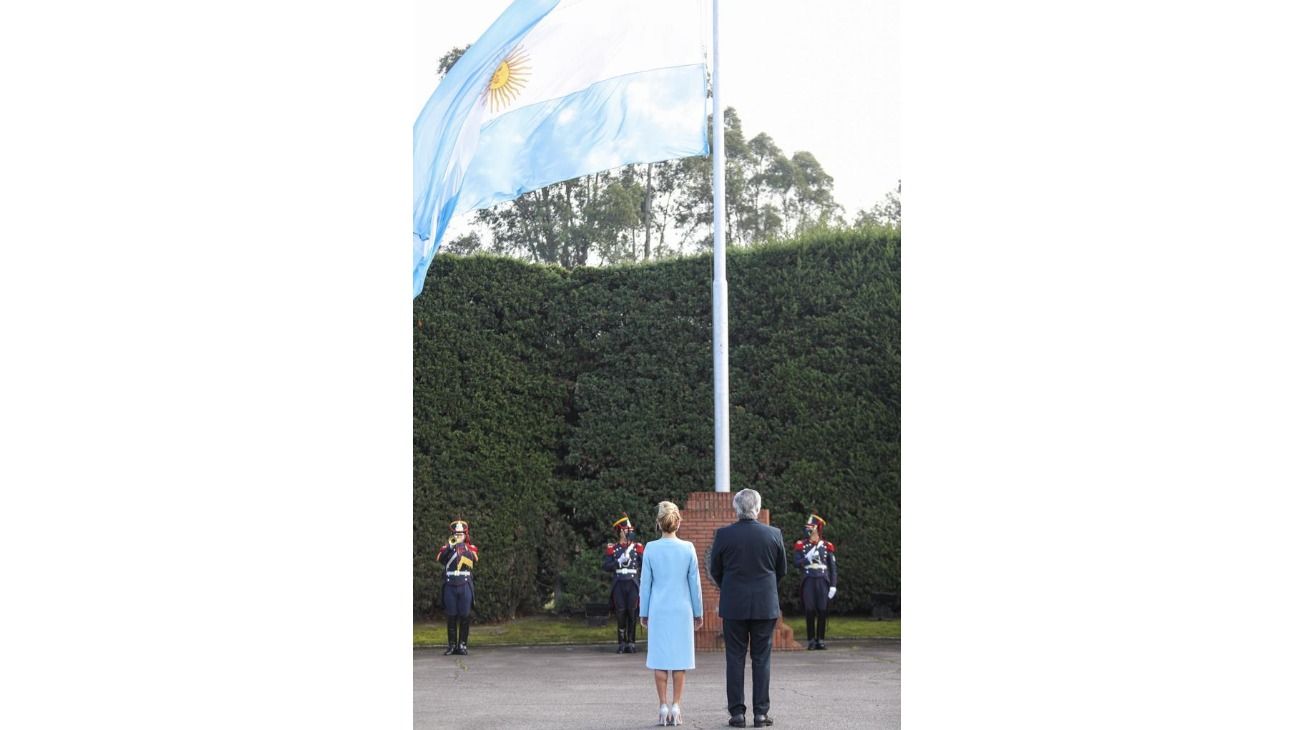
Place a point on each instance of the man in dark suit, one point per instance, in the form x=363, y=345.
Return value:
x=747, y=561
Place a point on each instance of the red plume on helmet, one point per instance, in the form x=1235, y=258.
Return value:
x=460, y=527
x=817, y=522
x=623, y=524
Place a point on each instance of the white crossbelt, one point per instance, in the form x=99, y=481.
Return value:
x=815, y=566
x=459, y=572
x=626, y=571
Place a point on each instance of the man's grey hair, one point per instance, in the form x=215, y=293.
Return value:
x=747, y=503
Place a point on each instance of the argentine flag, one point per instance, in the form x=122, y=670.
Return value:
x=557, y=89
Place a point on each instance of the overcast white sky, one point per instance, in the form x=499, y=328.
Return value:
x=817, y=75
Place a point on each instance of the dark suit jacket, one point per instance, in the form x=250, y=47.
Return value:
x=748, y=559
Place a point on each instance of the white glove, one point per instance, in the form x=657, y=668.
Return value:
x=832, y=593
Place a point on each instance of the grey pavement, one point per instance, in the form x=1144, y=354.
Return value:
x=853, y=684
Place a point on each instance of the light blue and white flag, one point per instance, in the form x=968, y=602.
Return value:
x=557, y=89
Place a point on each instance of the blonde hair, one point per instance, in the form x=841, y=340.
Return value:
x=669, y=517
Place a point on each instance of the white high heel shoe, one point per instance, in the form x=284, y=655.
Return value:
x=663, y=714
x=675, y=715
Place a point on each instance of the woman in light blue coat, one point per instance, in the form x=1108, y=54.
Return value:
x=671, y=609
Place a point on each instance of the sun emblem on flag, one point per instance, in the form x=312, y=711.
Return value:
x=508, y=79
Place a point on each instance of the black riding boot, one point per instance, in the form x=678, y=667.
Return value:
x=631, y=632
x=451, y=635
x=821, y=629
x=810, y=622
x=463, y=647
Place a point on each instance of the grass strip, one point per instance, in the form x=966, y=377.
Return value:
x=544, y=630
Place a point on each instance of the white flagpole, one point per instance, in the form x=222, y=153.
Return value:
x=721, y=410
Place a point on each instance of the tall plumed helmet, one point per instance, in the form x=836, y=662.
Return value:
x=623, y=524
x=817, y=522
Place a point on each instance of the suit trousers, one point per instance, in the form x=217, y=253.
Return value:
x=754, y=636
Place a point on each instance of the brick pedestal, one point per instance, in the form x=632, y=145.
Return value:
x=704, y=513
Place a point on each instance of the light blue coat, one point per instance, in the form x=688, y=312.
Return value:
x=670, y=597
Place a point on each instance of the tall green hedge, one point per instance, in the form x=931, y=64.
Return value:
x=547, y=402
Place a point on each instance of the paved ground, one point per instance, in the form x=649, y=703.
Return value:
x=853, y=684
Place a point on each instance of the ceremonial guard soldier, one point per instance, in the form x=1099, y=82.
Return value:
x=815, y=557
x=459, y=557
x=623, y=559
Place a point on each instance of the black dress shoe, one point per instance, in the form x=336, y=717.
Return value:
x=461, y=649
x=450, y=650
x=812, y=645
x=820, y=644
x=762, y=720
x=737, y=721
x=631, y=648
x=621, y=648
